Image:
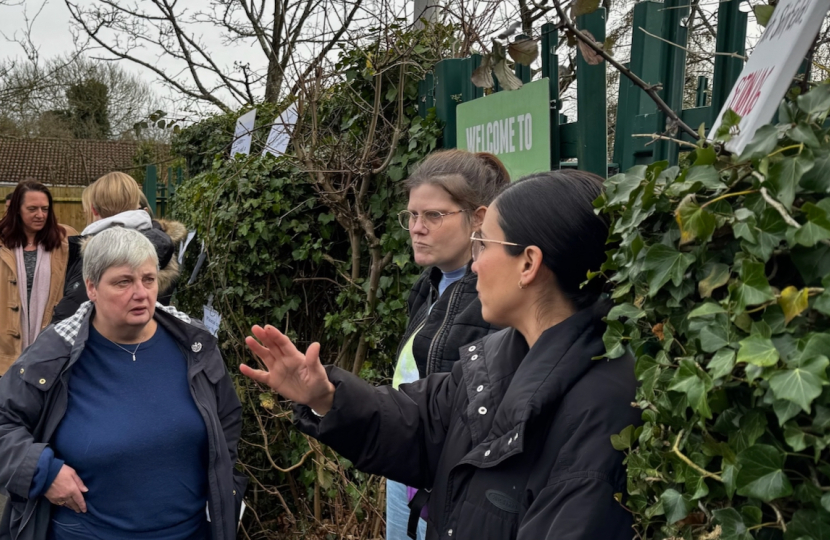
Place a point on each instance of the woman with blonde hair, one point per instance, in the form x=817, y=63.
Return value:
x=114, y=200
x=33, y=257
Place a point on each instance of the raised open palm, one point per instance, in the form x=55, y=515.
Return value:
x=296, y=376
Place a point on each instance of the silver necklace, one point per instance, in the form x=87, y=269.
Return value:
x=125, y=350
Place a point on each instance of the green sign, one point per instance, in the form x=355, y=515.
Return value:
x=515, y=126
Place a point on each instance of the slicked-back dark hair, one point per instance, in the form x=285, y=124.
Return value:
x=554, y=211
x=12, y=233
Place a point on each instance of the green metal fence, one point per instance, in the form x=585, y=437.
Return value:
x=159, y=190
x=657, y=60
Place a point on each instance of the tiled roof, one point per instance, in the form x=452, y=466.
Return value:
x=66, y=161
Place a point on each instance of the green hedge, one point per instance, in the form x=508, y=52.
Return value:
x=721, y=268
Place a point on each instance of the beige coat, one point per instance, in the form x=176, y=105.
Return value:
x=10, y=344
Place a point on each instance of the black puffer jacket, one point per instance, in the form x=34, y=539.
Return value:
x=513, y=443
x=453, y=321
x=165, y=237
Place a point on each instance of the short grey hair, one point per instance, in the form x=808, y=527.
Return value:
x=116, y=246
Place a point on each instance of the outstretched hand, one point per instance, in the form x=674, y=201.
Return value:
x=296, y=376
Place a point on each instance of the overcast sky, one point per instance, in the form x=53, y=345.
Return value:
x=51, y=32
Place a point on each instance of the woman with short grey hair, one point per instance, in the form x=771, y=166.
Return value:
x=121, y=421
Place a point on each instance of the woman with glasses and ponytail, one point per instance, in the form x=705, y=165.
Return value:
x=515, y=441
x=448, y=197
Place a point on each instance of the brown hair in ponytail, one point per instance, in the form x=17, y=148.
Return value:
x=471, y=179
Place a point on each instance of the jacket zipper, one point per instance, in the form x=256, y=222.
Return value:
x=414, y=325
x=440, y=328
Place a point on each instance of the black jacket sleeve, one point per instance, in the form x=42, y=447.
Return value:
x=74, y=289
x=395, y=433
x=580, y=506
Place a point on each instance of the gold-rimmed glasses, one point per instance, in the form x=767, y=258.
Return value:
x=478, y=244
x=431, y=219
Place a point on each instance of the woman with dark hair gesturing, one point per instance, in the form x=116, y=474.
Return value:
x=33, y=257
x=515, y=441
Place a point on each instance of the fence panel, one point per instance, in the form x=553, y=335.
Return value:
x=591, y=102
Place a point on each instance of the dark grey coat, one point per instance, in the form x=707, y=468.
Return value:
x=514, y=443
x=33, y=400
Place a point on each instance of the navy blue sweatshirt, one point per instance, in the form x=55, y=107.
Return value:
x=135, y=437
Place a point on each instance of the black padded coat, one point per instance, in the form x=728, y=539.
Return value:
x=454, y=320
x=513, y=443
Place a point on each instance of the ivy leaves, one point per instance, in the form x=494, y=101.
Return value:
x=801, y=383
x=695, y=383
x=722, y=274
x=761, y=473
x=753, y=288
x=664, y=263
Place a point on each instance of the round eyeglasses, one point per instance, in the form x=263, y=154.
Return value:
x=478, y=244
x=431, y=219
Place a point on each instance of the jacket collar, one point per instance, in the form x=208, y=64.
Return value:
x=540, y=376
x=435, y=273
x=192, y=336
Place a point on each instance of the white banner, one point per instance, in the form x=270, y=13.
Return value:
x=281, y=130
x=770, y=70
x=243, y=133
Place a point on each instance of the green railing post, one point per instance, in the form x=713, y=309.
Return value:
x=150, y=186
x=674, y=72
x=731, y=38
x=636, y=112
x=592, y=150
x=448, y=89
x=469, y=91
x=702, y=91
x=550, y=69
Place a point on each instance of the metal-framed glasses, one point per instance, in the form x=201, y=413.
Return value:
x=478, y=244
x=431, y=219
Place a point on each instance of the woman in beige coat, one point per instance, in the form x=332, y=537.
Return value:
x=33, y=256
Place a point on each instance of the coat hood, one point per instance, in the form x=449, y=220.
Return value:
x=132, y=219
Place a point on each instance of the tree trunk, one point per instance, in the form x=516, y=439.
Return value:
x=273, y=82
x=275, y=77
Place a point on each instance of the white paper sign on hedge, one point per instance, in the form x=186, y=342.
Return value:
x=243, y=133
x=280, y=134
x=769, y=72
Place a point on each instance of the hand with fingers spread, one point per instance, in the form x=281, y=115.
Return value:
x=68, y=490
x=296, y=376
